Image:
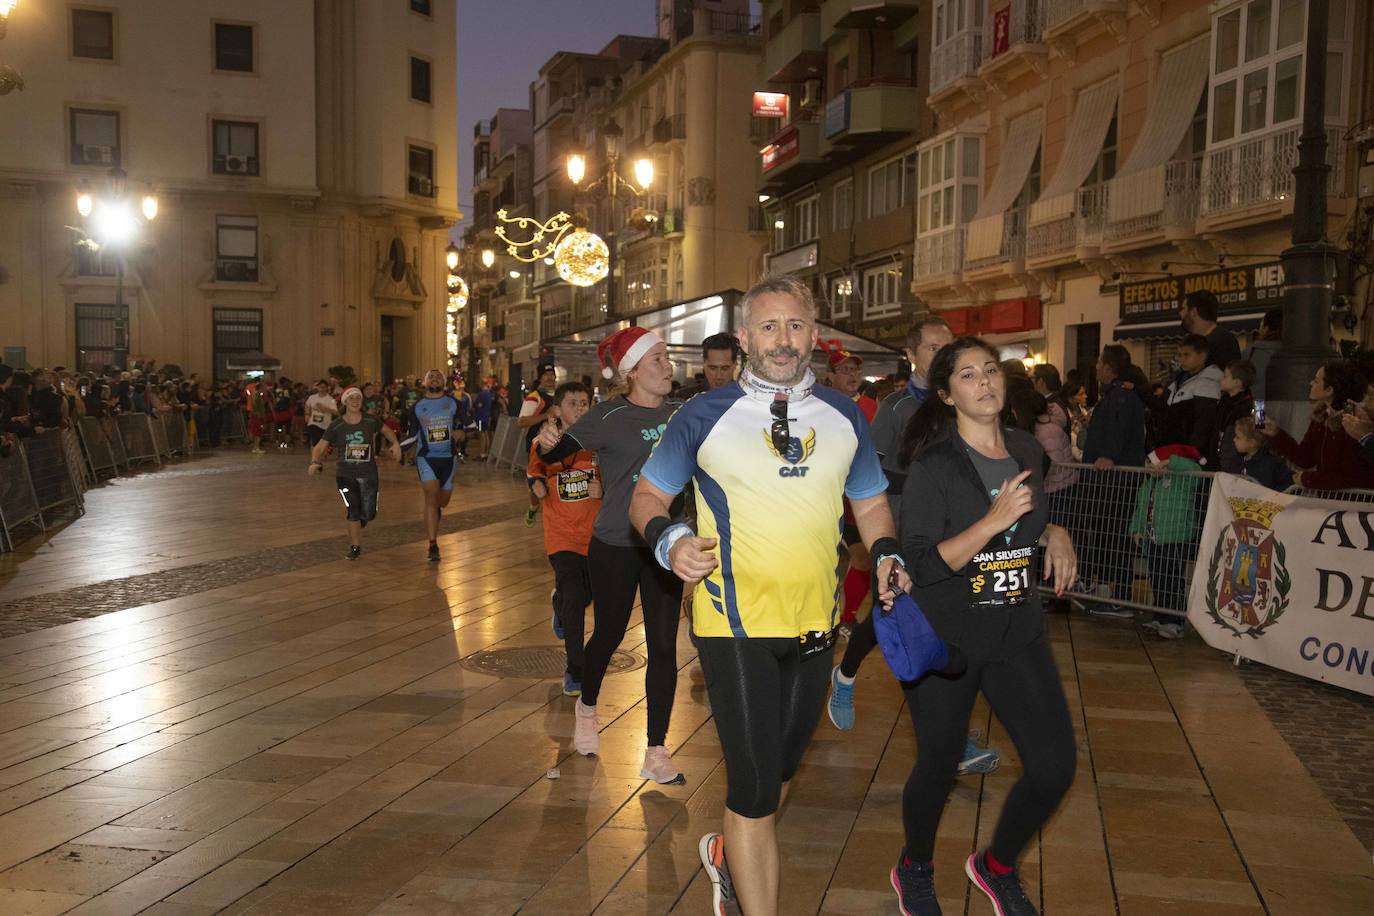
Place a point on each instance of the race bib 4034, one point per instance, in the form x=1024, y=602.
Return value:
x=1001, y=576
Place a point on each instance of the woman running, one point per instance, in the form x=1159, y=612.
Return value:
x=623, y=430
x=351, y=436
x=973, y=517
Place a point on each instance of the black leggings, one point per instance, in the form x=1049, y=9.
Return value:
x=766, y=700
x=1025, y=694
x=572, y=591
x=862, y=640
x=617, y=573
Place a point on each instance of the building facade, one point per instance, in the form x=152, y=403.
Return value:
x=303, y=157
x=1095, y=161
x=843, y=89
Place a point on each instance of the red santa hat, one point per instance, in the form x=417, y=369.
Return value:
x=1162, y=454
x=838, y=354
x=622, y=351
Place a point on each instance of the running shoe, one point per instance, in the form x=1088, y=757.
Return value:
x=1152, y=625
x=557, y=621
x=914, y=883
x=978, y=759
x=1005, y=891
x=841, y=705
x=586, y=730
x=434, y=553
x=659, y=766
x=1170, y=630
x=1111, y=610
x=571, y=687
x=712, y=849
x=529, y=517
x=354, y=552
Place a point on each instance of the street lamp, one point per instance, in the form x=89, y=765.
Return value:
x=6, y=7
x=577, y=167
x=111, y=220
x=488, y=258
x=451, y=257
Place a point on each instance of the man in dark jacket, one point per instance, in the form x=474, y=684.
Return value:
x=1116, y=436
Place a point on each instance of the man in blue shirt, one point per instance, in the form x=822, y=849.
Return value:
x=481, y=412
x=434, y=424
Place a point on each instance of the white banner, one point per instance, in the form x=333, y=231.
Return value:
x=1288, y=581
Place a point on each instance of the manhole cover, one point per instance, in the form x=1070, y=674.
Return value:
x=539, y=662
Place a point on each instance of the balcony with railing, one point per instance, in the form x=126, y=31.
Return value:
x=792, y=157
x=670, y=127
x=795, y=52
x=870, y=111
x=938, y=255
x=561, y=107
x=1008, y=247
x=1069, y=23
x=954, y=65
x=1257, y=171
x=1154, y=204
x=556, y=324
x=1066, y=229
x=1013, y=44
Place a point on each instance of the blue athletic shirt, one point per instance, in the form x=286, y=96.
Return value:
x=777, y=517
x=432, y=424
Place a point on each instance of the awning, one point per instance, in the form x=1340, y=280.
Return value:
x=1018, y=154
x=1092, y=116
x=1138, y=188
x=1171, y=330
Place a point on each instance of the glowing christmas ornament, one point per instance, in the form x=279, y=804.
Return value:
x=582, y=258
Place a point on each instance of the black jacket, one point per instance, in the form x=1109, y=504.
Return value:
x=1116, y=429
x=944, y=496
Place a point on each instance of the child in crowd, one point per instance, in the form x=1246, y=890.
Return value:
x=1166, y=514
x=1257, y=462
x=570, y=492
x=1236, y=404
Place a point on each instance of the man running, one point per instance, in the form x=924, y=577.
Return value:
x=536, y=408
x=351, y=437
x=321, y=410
x=923, y=340
x=773, y=456
x=433, y=427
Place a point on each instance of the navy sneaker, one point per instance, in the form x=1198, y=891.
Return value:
x=978, y=759
x=1005, y=891
x=571, y=686
x=434, y=553
x=354, y=552
x=914, y=883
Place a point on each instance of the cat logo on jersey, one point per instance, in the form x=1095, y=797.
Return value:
x=798, y=450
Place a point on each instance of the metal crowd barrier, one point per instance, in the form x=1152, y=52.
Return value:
x=76, y=460
x=159, y=433
x=235, y=425
x=508, y=446
x=1137, y=532
x=111, y=430
x=100, y=455
x=18, y=501
x=136, y=431
x=173, y=423
x=55, y=481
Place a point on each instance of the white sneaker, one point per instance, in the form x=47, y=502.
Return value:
x=1170, y=630
x=586, y=730
x=659, y=766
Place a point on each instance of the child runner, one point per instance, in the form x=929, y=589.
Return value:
x=570, y=492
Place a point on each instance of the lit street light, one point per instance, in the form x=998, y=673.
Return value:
x=451, y=257
x=577, y=167
x=488, y=258
x=112, y=223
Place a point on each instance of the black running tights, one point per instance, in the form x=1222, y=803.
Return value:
x=1025, y=694
x=617, y=573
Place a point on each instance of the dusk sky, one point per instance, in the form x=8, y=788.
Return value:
x=503, y=43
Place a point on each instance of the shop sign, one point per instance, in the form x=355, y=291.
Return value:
x=770, y=104
x=837, y=115
x=782, y=149
x=1238, y=289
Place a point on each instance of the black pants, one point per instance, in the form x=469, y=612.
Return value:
x=1024, y=692
x=573, y=592
x=620, y=572
x=862, y=640
x=766, y=699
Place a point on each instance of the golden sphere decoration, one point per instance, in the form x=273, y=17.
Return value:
x=582, y=258
x=457, y=293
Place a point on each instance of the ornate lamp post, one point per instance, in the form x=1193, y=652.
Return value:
x=112, y=223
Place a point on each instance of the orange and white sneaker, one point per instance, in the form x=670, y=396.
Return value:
x=723, y=902
x=659, y=766
x=586, y=730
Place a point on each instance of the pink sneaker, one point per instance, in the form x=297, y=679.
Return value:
x=659, y=767
x=586, y=730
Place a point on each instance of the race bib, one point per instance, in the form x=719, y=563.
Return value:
x=357, y=452
x=1001, y=577
x=573, y=485
x=317, y=418
x=438, y=433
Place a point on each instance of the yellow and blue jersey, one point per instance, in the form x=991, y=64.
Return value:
x=777, y=516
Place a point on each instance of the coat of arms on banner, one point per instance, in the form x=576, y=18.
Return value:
x=1247, y=580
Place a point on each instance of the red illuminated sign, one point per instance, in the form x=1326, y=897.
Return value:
x=784, y=147
x=770, y=104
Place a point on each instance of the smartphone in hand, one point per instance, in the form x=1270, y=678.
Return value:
x=1259, y=412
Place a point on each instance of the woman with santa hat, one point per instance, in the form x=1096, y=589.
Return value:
x=623, y=430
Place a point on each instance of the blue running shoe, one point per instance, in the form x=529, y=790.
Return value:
x=978, y=759
x=571, y=688
x=841, y=705
x=1005, y=891
x=914, y=883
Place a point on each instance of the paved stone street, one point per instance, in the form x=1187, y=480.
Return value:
x=228, y=716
